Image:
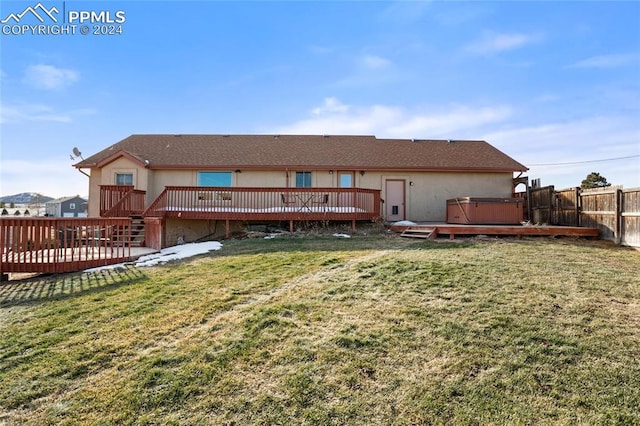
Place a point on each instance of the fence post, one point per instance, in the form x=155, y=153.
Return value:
x=619, y=219
x=552, y=193
x=580, y=209
x=528, y=206
x=576, y=203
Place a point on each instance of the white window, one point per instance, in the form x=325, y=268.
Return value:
x=72, y=206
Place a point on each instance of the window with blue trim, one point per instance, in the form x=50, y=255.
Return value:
x=214, y=178
x=303, y=179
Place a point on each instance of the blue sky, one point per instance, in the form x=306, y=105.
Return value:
x=548, y=83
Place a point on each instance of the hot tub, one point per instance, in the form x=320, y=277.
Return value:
x=477, y=211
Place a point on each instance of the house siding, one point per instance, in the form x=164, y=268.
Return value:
x=123, y=165
x=426, y=193
x=187, y=231
x=95, y=179
x=425, y=197
x=106, y=176
x=63, y=208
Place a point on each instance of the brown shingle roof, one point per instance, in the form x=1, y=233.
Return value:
x=307, y=151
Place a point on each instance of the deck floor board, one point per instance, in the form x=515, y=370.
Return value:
x=504, y=230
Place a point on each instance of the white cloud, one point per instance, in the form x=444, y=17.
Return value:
x=38, y=112
x=493, y=43
x=607, y=61
x=547, y=97
x=357, y=121
x=369, y=70
x=320, y=50
x=375, y=62
x=48, y=77
x=463, y=13
x=456, y=120
x=330, y=105
x=579, y=141
x=585, y=139
x=575, y=140
x=53, y=177
x=34, y=112
x=405, y=12
x=334, y=117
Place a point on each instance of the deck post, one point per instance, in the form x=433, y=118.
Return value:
x=226, y=229
x=291, y=226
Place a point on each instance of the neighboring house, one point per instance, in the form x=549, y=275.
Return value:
x=187, y=182
x=67, y=207
x=15, y=212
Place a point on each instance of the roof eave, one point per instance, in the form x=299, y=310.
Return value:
x=335, y=167
x=120, y=154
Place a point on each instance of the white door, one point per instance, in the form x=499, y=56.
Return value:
x=394, y=203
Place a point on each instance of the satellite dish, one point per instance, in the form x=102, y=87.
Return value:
x=77, y=152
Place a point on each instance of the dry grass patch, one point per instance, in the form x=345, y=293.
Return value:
x=324, y=331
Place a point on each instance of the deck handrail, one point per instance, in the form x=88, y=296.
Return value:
x=154, y=209
x=266, y=203
x=110, y=195
x=55, y=245
x=124, y=200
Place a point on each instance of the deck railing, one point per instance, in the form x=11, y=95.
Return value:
x=121, y=201
x=53, y=245
x=242, y=203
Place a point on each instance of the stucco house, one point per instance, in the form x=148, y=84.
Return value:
x=74, y=206
x=184, y=184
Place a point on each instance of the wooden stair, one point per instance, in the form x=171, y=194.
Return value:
x=136, y=236
x=137, y=231
x=420, y=232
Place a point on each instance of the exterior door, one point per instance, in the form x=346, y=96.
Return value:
x=394, y=203
x=345, y=180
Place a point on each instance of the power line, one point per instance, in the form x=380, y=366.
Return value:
x=587, y=161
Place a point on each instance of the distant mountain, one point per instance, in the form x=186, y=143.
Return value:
x=25, y=198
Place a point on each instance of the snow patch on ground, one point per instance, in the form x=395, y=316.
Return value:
x=342, y=235
x=178, y=252
x=404, y=223
x=165, y=255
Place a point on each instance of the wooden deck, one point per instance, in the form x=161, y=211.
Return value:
x=433, y=230
x=240, y=203
x=72, y=260
x=56, y=245
x=266, y=204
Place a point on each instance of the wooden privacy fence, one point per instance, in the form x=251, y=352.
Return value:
x=54, y=245
x=614, y=211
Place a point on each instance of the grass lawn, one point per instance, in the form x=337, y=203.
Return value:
x=367, y=330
